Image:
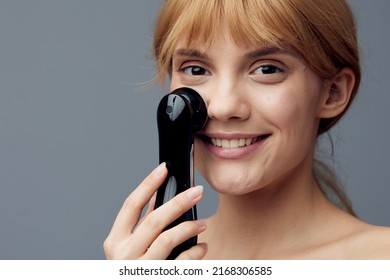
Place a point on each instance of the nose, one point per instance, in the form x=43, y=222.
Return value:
x=227, y=101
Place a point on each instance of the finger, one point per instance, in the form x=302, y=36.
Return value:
x=150, y=208
x=130, y=212
x=159, y=219
x=196, y=252
x=165, y=242
x=152, y=202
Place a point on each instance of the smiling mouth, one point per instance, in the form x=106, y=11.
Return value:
x=233, y=143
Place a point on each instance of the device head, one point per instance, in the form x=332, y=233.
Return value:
x=184, y=105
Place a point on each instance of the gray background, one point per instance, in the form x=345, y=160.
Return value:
x=78, y=132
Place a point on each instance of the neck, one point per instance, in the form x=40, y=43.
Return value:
x=276, y=218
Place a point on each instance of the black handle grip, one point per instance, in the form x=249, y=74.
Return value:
x=180, y=115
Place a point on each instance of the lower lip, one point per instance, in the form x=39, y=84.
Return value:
x=234, y=153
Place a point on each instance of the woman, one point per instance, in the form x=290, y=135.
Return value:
x=275, y=75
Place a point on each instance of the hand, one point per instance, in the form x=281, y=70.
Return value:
x=132, y=238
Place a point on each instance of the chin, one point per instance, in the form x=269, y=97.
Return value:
x=233, y=183
x=233, y=176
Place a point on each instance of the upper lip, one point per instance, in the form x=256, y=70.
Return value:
x=231, y=136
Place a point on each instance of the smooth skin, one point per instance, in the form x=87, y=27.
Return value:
x=270, y=206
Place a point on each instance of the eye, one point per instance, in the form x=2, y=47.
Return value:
x=194, y=71
x=266, y=70
x=269, y=73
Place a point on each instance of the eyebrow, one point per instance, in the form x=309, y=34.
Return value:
x=190, y=53
x=253, y=54
x=266, y=51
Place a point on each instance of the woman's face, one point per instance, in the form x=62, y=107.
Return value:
x=263, y=106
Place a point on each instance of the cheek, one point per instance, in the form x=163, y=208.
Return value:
x=292, y=116
x=290, y=109
x=279, y=110
x=175, y=82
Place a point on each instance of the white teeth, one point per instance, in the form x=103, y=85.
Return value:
x=225, y=143
x=233, y=143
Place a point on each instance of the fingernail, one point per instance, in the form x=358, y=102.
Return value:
x=159, y=169
x=201, y=223
x=194, y=192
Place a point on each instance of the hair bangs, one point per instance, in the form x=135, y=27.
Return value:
x=199, y=25
x=248, y=22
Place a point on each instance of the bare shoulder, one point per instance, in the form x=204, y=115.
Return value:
x=348, y=237
x=370, y=242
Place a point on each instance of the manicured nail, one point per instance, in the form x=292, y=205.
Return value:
x=159, y=169
x=194, y=192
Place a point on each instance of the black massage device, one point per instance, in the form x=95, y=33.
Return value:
x=180, y=115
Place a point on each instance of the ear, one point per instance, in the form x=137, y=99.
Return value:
x=337, y=95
